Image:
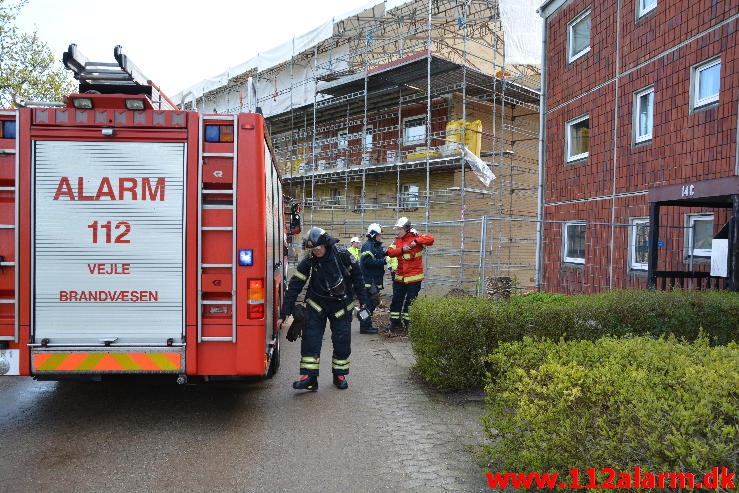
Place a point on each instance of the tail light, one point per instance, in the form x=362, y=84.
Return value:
x=255, y=303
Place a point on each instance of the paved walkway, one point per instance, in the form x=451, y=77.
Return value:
x=386, y=433
x=426, y=440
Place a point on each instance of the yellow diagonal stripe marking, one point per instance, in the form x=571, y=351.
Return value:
x=53, y=361
x=90, y=362
x=125, y=361
x=162, y=362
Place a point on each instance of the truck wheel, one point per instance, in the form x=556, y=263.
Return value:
x=274, y=364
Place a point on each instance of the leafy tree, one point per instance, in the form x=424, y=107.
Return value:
x=27, y=67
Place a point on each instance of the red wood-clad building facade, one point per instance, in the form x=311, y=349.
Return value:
x=640, y=181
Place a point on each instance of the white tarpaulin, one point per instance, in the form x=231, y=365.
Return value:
x=479, y=167
x=521, y=31
x=285, y=51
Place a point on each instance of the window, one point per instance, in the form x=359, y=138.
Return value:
x=414, y=130
x=342, y=139
x=578, y=138
x=574, y=242
x=368, y=138
x=357, y=199
x=639, y=243
x=578, y=36
x=643, y=115
x=706, y=83
x=646, y=6
x=335, y=196
x=699, y=235
x=409, y=197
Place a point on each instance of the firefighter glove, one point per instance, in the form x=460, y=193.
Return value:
x=296, y=328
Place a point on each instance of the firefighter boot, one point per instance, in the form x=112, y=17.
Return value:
x=307, y=382
x=367, y=328
x=340, y=382
x=395, y=328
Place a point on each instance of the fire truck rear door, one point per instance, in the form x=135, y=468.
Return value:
x=108, y=242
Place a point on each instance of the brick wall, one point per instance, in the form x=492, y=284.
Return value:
x=688, y=145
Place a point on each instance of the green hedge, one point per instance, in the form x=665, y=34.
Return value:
x=659, y=404
x=451, y=336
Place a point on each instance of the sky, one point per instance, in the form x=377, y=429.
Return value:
x=177, y=43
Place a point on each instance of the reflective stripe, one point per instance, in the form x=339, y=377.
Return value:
x=368, y=253
x=343, y=311
x=413, y=278
x=367, y=285
x=309, y=362
x=59, y=362
x=314, y=305
x=406, y=316
x=300, y=276
x=398, y=277
x=408, y=256
x=395, y=315
x=340, y=364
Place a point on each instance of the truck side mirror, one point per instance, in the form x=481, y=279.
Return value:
x=295, y=221
x=295, y=224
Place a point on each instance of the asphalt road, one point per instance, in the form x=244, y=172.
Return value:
x=385, y=433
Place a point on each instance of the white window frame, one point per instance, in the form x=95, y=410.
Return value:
x=414, y=141
x=571, y=57
x=342, y=140
x=570, y=158
x=409, y=194
x=367, y=138
x=565, y=257
x=645, y=6
x=335, y=196
x=638, y=138
x=634, y=223
x=690, y=220
x=696, y=81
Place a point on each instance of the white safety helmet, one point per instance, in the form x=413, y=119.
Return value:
x=402, y=222
x=354, y=239
x=374, y=229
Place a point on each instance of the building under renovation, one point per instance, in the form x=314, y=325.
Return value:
x=427, y=109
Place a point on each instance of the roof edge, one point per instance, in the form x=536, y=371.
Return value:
x=549, y=7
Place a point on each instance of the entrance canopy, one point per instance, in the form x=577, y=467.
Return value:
x=717, y=193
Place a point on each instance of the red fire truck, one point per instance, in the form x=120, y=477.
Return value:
x=137, y=238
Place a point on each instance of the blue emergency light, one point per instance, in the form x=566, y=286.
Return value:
x=8, y=130
x=246, y=256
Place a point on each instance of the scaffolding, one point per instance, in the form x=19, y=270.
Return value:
x=404, y=110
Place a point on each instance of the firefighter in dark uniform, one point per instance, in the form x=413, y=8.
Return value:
x=372, y=261
x=334, y=280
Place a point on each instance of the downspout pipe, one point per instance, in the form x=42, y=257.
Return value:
x=542, y=144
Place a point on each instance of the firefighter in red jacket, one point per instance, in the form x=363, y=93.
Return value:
x=408, y=249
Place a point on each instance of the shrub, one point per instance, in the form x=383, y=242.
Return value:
x=451, y=336
x=659, y=404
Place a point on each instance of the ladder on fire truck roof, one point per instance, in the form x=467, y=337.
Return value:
x=122, y=77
